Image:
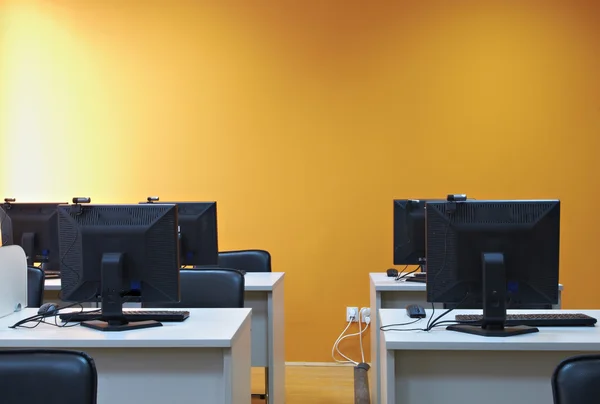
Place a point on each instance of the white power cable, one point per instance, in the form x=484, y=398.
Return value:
x=335, y=346
x=359, y=334
x=361, y=331
x=368, y=321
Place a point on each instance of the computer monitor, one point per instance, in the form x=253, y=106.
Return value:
x=113, y=250
x=409, y=231
x=5, y=227
x=198, y=234
x=33, y=227
x=494, y=253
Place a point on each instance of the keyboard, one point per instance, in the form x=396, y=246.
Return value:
x=52, y=274
x=538, y=320
x=415, y=279
x=163, y=316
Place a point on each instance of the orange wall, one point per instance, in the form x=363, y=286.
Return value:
x=305, y=121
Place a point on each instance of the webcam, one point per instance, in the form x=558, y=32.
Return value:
x=457, y=197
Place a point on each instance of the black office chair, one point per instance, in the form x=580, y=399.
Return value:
x=48, y=377
x=576, y=380
x=246, y=260
x=35, y=286
x=204, y=288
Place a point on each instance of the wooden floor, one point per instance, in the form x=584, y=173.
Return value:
x=312, y=384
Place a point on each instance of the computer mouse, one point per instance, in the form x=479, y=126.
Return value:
x=392, y=272
x=415, y=311
x=47, y=308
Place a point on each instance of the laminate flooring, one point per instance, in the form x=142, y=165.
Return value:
x=312, y=384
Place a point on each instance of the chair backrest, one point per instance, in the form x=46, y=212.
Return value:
x=47, y=376
x=246, y=260
x=576, y=380
x=35, y=286
x=208, y=288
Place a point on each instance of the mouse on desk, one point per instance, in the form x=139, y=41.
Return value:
x=415, y=311
x=392, y=273
x=47, y=308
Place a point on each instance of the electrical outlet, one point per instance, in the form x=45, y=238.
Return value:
x=352, y=314
x=364, y=313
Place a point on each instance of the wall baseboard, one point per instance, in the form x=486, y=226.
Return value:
x=320, y=364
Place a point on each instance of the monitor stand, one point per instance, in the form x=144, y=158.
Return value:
x=494, y=303
x=112, y=318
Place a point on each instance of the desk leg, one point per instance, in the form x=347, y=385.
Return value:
x=259, y=303
x=387, y=372
x=275, y=374
x=267, y=386
x=375, y=382
x=394, y=299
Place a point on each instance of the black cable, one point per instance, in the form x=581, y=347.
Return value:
x=437, y=320
x=385, y=327
x=401, y=275
x=451, y=322
x=67, y=323
x=40, y=317
x=440, y=271
x=99, y=311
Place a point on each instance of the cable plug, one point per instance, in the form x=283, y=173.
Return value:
x=351, y=314
x=365, y=313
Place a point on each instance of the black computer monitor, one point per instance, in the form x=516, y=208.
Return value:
x=199, y=244
x=409, y=231
x=493, y=253
x=5, y=227
x=33, y=227
x=114, y=250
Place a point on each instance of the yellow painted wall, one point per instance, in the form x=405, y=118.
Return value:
x=304, y=121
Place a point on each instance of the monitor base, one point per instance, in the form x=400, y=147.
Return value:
x=485, y=332
x=105, y=326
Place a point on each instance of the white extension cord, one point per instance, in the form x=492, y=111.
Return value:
x=367, y=314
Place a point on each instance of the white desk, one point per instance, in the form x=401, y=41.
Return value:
x=203, y=359
x=387, y=293
x=264, y=295
x=456, y=368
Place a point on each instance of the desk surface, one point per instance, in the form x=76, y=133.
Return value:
x=262, y=281
x=384, y=283
x=548, y=339
x=205, y=328
x=254, y=281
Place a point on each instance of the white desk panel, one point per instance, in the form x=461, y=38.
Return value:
x=452, y=367
x=207, y=353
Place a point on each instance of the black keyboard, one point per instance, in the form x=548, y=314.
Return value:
x=163, y=316
x=537, y=320
x=415, y=279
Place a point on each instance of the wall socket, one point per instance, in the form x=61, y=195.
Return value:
x=364, y=314
x=352, y=314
